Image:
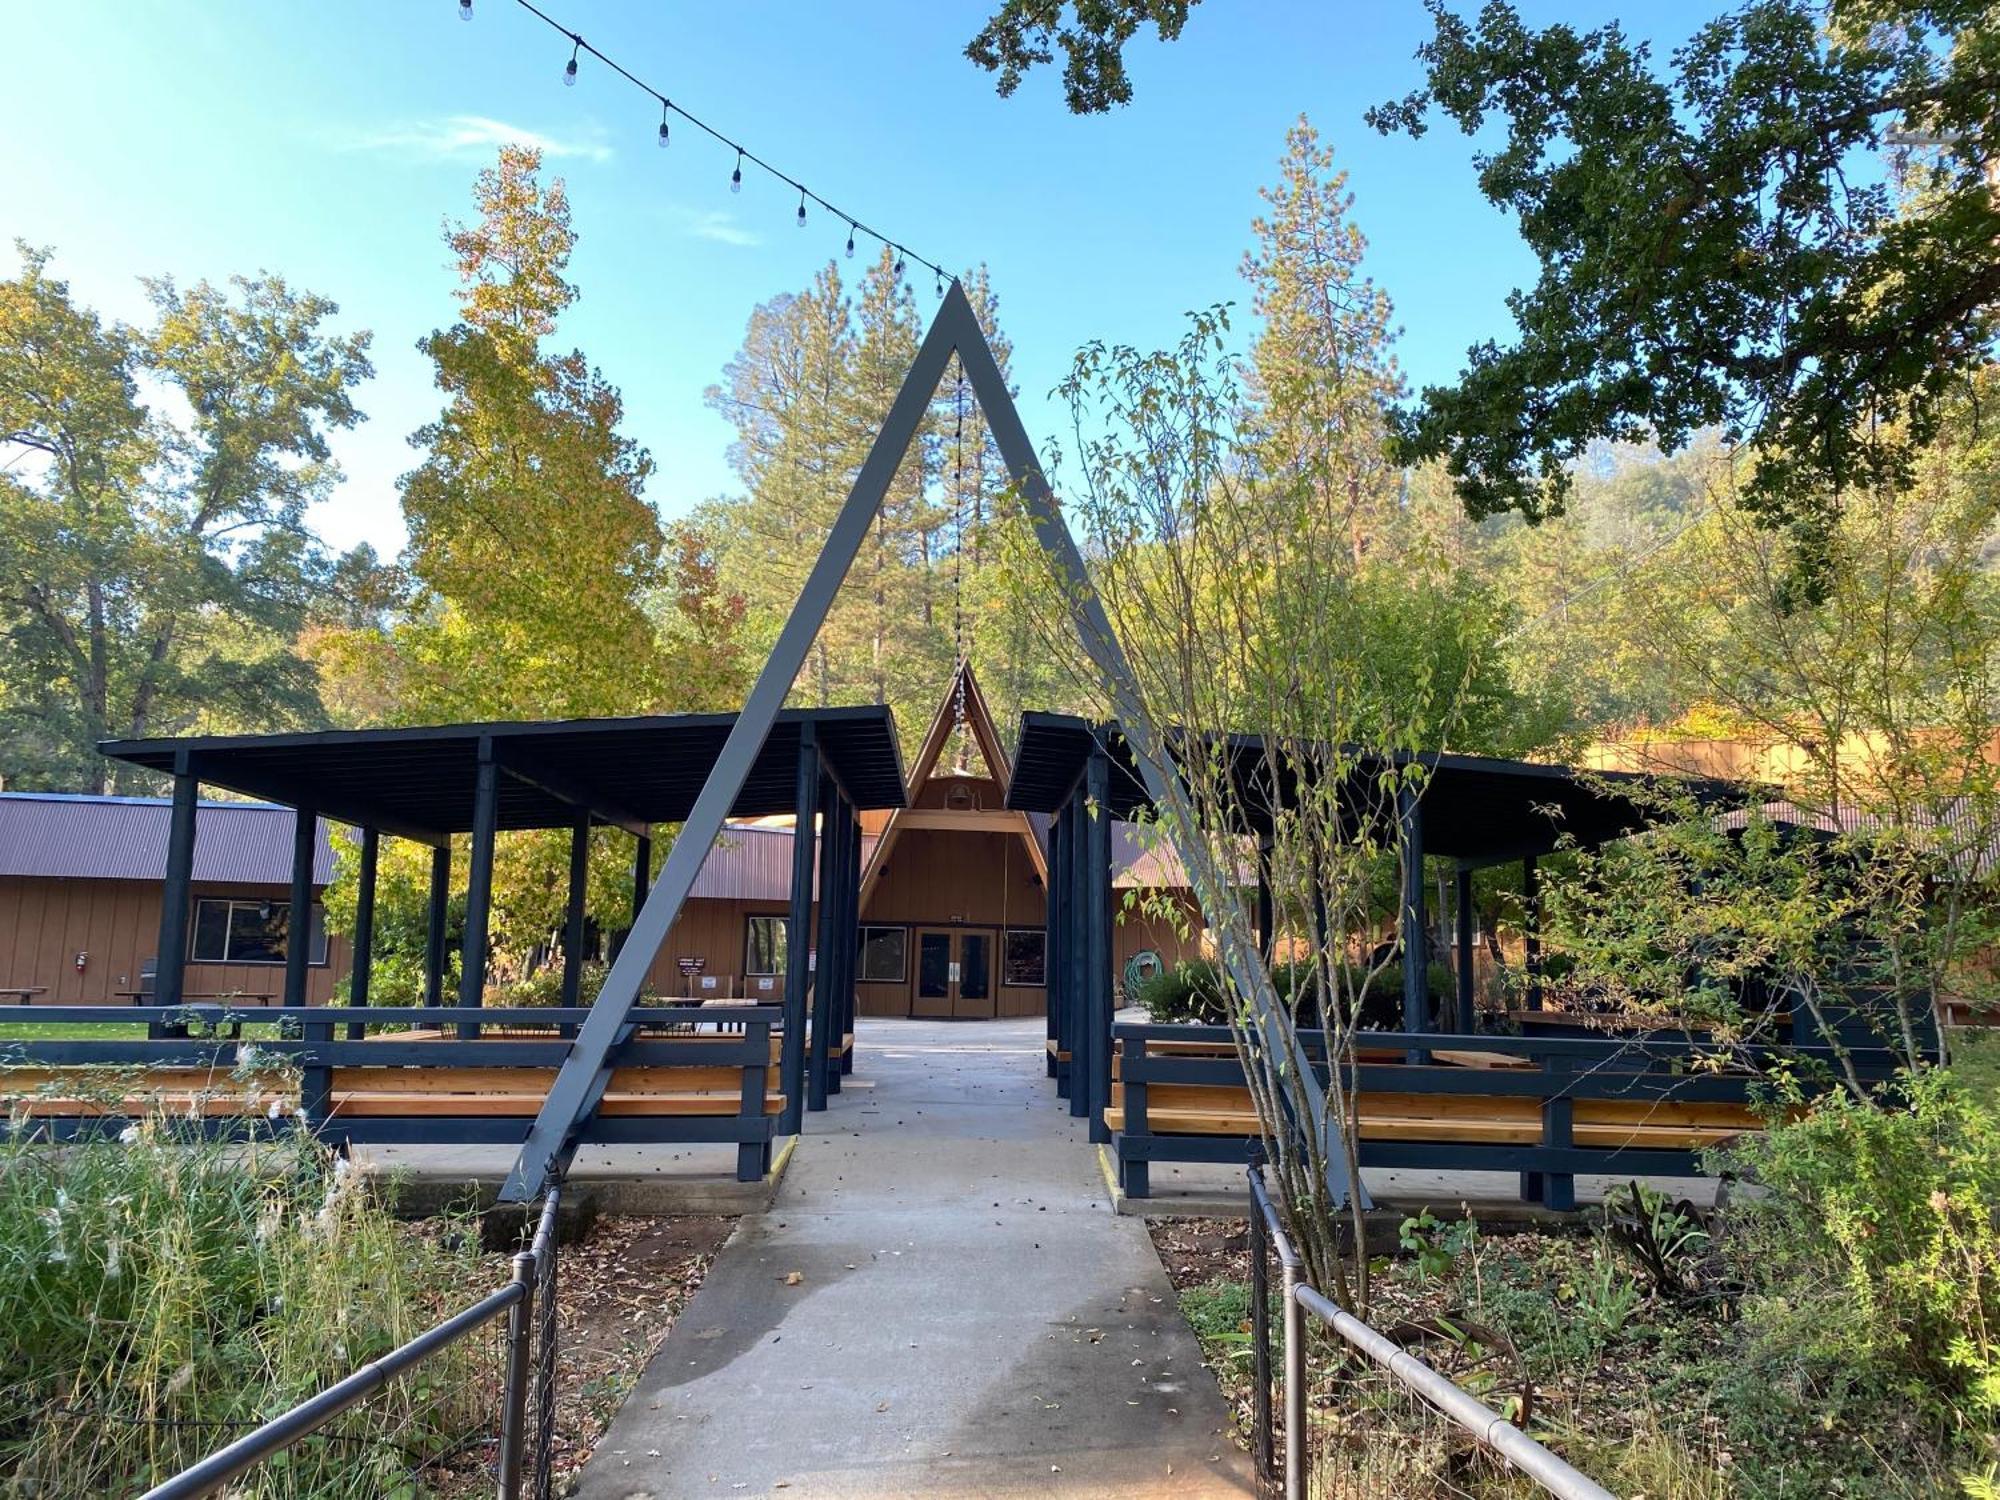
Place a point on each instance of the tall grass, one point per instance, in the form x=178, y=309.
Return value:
x=158, y=1297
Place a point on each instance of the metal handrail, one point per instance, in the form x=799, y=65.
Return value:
x=1487, y=1427
x=515, y=1300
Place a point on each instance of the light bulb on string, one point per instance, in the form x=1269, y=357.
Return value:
x=802, y=208
x=465, y=10
x=736, y=177
x=940, y=281
x=899, y=262
x=850, y=242
x=664, y=107
x=569, y=73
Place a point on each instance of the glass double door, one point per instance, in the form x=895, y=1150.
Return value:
x=954, y=973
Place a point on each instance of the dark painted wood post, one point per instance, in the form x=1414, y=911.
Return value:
x=479, y=887
x=1531, y=935
x=1096, y=894
x=1462, y=913
x=573, y=915
x=842, y=991
x=1267, y=917
x=850, y=941
x=642, y=876
x=1050, y=943
x=315, y=1077
x=434, y=932
x=1076, y=949
x=798, y=932
x=298, y=922
x=170, y=968
x=822, y=957
x=362, y=976
x=1415, y=939
x=1056, y=967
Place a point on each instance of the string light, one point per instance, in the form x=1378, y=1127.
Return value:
x=668, y=109
x=465, y=10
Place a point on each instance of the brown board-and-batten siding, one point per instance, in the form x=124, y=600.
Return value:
x=45, y=924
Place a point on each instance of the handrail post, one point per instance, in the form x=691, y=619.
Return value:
x=1260, y=1330
x=1295, y=1384
x=514, y=1407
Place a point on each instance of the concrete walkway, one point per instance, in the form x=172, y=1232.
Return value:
x=939, y=1303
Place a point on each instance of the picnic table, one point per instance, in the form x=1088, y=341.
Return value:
x=23, y=994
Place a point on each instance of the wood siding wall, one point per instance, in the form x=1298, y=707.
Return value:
x=936, y=878
x=44, y=924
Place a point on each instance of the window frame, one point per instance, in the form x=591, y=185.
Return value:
x=861, y=949
x=316, y=929
x=782, y=947
x=1007, y=935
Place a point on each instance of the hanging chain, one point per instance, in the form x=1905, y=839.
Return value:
x=958, y=543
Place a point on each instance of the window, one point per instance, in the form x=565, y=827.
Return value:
x=882, y=955
x=764, y=949
x=252, y=932
x=1027, y=956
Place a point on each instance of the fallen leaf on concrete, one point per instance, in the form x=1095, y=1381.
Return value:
x=793, y=1278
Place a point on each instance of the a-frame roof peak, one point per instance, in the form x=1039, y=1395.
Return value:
x=963, y=688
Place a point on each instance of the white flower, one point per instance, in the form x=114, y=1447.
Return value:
x=129, y=1136
x=277, y=1108
x=111, y=1260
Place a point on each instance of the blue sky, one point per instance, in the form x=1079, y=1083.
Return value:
x=329, y=142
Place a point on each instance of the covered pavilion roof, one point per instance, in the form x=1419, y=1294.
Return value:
x=1476, y=809
x=631, y=772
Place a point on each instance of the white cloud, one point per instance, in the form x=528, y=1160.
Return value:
x=716, y=224
x=470, y=138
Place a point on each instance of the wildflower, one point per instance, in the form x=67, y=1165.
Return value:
x=112, y=1259
x=129, y=1136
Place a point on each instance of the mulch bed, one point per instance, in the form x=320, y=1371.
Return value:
x=619, y=1290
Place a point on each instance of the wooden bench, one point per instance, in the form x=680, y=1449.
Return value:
x=684, y=1087
x=422, y=1083
x=1545, y=1107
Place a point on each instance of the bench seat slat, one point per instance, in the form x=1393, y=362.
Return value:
x=391, y=1105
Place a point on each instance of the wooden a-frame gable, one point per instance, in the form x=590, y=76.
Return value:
x=979, y=724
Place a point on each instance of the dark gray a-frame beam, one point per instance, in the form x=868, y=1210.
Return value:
x=580, y=1083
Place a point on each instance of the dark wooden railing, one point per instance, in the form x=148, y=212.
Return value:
x=433, y=1074
x=1546, y=1107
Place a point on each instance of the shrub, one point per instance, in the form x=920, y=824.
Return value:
x=1873, y=1256
x=158, y=1297
x=1195, y=992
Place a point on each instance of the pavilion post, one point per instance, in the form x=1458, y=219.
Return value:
x=1462, y=914
x=798, y=932
x=850, y=941
x=1057, y=961
x=831, y=806
x=1076, y=953
x=360, y=978
x=1415, y=937
x=1051, y=946
x=170, y=968
x=642, y=875
x=574, y=913
x=1267, y=922
x=1096, y=895
x=434, y=932
x=298, y=921
x=479, y=887
x=1531, y=929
